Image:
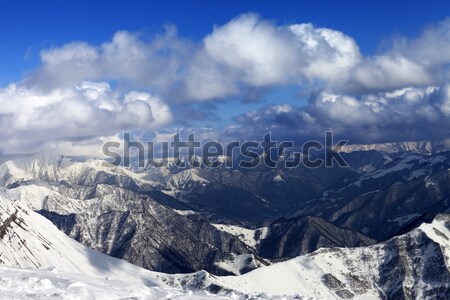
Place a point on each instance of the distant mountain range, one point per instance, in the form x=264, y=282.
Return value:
x=376, y=229
x=422, y=146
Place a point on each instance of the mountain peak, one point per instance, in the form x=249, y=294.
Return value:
x=427, y=147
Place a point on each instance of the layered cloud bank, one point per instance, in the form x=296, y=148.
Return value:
x=83, y=94
x=408, y=114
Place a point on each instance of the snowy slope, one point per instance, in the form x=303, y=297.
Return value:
x=28, y=240
x=39, y=261
x=250, y=237
x=22, y=284
x=415, y=265
x=119, y=223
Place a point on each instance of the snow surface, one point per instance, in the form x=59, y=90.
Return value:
x=245, y=235
x=39, y=262
x=32, y=241
x=278, y=178
x=28, y=240
x=25, y=284
x=304, y=275
x=238, y=263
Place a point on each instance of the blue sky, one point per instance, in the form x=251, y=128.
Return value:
x=26, y=27
x=229, y=69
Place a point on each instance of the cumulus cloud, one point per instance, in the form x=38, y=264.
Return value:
x=399, y=95
x=402, y=93
x=420, y=61
x=128, y=58
x=387, y=72
x=249, y=51
x=32, y=118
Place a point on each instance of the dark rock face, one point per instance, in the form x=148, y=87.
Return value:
x=225, y=204
x=407, y=259
x=379, y=203
x=414, y=265
x=365, y=160
x=65, y=223
x=249, y=197
x=336, y=286
x=7, y=224
x=289, y=238
x=147, y=234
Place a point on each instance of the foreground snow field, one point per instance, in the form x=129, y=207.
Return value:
x=21, y=284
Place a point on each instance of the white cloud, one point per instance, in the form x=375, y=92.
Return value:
x=257, y=50
x=401, y=115
x=161, y=115
x=34, y=117
x=385, y=73
x=445, y=105
x=67, y=101
x=327, y=54
x=249, y=51
x=91, y=147
x=420, y=61
x=127, y=58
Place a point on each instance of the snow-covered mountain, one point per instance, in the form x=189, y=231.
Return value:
x=221, y=195
x=28, y=240
x=415, y=265
x=63, y=170
x=421, y=146
x=291, y=237
x=44, y=262
x=127, y=225
x=234, y=221
x=118, y=213
x=39, y=261
x=381, y=202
